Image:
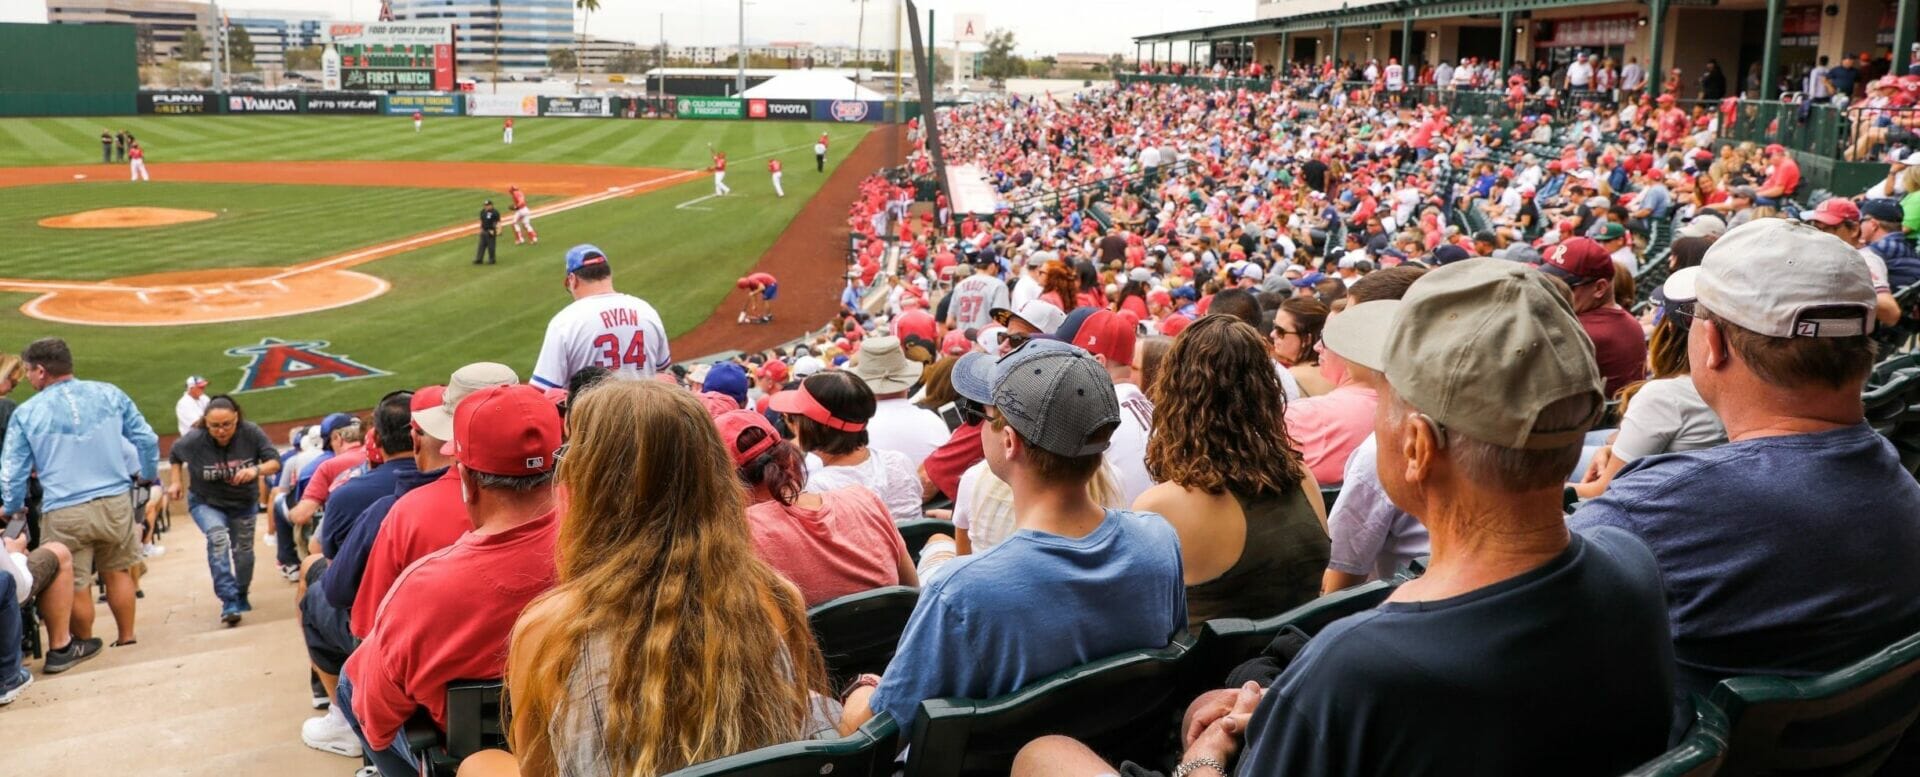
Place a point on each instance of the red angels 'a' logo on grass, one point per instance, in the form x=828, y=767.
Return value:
x=277, y=363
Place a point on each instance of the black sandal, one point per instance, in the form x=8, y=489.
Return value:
x=118, y=643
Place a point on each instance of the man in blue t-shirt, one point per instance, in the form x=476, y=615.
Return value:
x=1525, y=649
x=1790, y=549
x=1111, y=578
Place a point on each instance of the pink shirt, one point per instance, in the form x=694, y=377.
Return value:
x=1328, y=427
x=847, y=546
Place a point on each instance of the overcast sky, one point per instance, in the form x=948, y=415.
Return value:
x=1048, y=26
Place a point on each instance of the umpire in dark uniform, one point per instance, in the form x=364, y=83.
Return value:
x=489, y=228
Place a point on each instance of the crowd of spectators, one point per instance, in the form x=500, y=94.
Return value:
x=1225, y=351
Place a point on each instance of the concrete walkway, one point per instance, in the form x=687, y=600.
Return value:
x=192, y=698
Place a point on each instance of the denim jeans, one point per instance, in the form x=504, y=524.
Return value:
x=396, y=760
x=229, y=547
x=9, y=631
x=285, y=549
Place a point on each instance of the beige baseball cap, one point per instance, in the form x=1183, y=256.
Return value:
x=438, y=421
x=1359, y=333
x=1482, y=346
x=1782, y=278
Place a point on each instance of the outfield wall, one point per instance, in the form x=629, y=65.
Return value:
x=67, y=70
x=204, y=102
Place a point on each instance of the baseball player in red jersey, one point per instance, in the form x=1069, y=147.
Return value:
x=506, y=131
x=137, y=162
x=416, y=121
x=773, y=167
x=720, y=173
x=522, y=215
x=761, y=288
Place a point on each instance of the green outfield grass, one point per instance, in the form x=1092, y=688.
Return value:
x=644, y=143
x=260, y=225
x=442, y=311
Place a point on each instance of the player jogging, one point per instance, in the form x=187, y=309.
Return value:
x=761, y=288
x=719, y=172
x=820, y=154
x=522, y=215
x=601, y=328
x=506, y=131
x=137, y=162
x=416, y=121
x=773, y=167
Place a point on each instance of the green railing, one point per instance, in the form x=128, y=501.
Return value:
x=1200, y=81
x=1817, y=129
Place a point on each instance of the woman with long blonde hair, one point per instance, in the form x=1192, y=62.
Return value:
x=667, y=642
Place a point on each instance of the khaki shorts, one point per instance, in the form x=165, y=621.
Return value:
x=100, y=533
x=43, y=566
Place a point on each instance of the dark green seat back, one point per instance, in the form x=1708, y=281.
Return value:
x=1700, y=754
x=473, y=717
x=1846, y=722
x=1225, y=643
x=1124, y=707
x=867, y=752
x=917, y=532
x=859, y=632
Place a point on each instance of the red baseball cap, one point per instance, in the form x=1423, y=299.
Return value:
x=1160, y=297
x=1578, y=261
x=915, y=323
x=1833, y=211
x=732, y=423
x=774, y=369
x=1775, y=148
x=510, y=431
x=1173, y=325
x=1109, y=334
x=956, y=343
x=426, y=398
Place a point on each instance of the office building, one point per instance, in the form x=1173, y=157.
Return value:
x=515, y=33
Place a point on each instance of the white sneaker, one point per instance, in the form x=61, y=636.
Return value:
x=367, y=771
x=153, y=551
x=330, y=733
x=268, y=539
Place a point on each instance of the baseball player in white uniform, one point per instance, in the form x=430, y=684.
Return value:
x=602, y=327
x=522, y=217
x=720, y=187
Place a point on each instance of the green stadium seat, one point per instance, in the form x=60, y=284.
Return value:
x=1849, y=721
x=867, y=752
x=859, y=632
x=474, y=714
x=1226, y=643
x=1700, y=754
x=917, y=532
x=1124, y=707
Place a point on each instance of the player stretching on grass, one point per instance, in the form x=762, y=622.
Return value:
x=719, y=172
x=761, y=288
x=773, y=166
x=522, y=215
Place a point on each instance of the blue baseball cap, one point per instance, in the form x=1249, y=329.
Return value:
x=584, y=254
x=1309, y=279
x=728, y=378
x=333, y=423
x=1448, y=254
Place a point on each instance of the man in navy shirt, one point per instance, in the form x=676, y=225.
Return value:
x=1525, y=649
x=1790, y=549
x=1111, y=578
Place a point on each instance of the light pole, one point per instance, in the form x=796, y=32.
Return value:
x=740, y=55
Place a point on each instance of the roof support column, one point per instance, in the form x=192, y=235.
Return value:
x=1406, y=43
x=1506, y=46
x=1336, y=51
x=1656, y=47
x=1770, y=52
x=1903, y=24
x=1286, y=53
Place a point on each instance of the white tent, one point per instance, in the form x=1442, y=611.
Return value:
x=810, y=85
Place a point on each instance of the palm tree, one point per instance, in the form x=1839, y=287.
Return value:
x=580, y=58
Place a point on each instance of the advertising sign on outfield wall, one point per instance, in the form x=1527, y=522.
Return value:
x=394, y=55
x=343, y=103
x=849, y=110
x=262, y=102
x=429, y=103
x=179, y=103
x=503, y=104
x=576, y=106
x=708, y=108
x=797, y=110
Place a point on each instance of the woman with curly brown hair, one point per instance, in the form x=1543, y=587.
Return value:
x=1060, y=285
x=1253, y=539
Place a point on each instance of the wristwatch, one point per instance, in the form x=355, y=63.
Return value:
x=1197, y=764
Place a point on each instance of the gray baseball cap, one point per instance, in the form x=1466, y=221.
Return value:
x=1782, y=278
x=1055, y=395
x=438, y=421
x=1482, y=346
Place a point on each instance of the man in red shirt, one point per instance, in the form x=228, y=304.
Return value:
x=1784, y=179
x=1619, y=345
x=761, y=288
x=773, y=169
x=1672, y=122
x=449, y=616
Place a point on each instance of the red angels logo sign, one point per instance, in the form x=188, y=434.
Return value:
x=276, y=363
x=849, y=110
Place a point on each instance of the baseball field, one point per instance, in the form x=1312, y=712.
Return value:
x=312, y=263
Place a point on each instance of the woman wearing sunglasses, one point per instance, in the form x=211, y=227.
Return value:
x=828, y=414
x=218, y=465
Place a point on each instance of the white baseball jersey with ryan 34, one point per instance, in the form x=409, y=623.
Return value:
x=617, y=331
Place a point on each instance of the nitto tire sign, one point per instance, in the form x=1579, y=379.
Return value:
x=178, y=103
x=262, y=103
x=343, y=103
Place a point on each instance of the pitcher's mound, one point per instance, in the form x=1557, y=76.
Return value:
x=205, y=297
x=120, y=218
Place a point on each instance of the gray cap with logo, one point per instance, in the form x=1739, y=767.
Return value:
x=1782, y=278
x=1055, y=395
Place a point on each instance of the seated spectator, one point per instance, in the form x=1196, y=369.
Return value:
x=44, y=576
x=1525, y=649
x=828, y=544
x=1035, y=317
x=1328, y=427
x=1296, y=340
x=1619, y=345
x=1110, y=337
x=449, y=617
x=218, y=467
x=1664, y=414
x=1111, y=578
x=1373, y=539
x=1246, y=509
x=623, y=685
x=941, y=472
x=897, y=424
x=343, y=453
x=1768, y=564
x=828, y=415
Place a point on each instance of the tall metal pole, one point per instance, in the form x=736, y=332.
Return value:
x=1286, y=53
x=1903, y=23
x=1770, y=51
x=740, y=80
x=1656, y=63
x=660, y=59
x=1506, y=45
x=1336, y=52
x=1406, y=44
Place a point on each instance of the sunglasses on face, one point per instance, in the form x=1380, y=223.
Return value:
x=971, y=412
